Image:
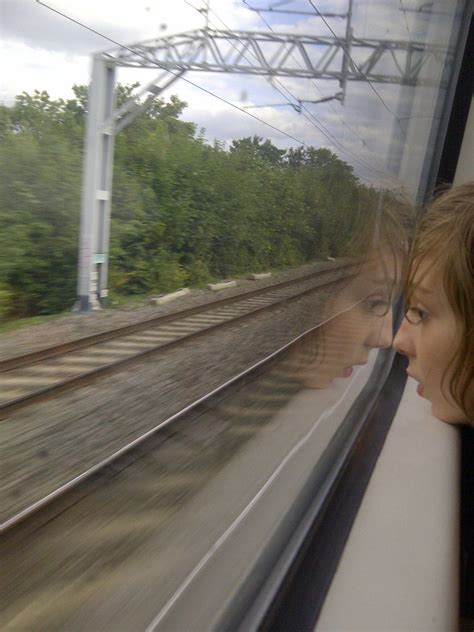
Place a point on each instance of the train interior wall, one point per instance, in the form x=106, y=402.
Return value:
x=403, y=566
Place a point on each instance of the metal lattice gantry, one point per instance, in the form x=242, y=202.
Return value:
x=268, y=54
x=282, y=55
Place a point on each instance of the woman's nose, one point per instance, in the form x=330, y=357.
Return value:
x=403, y=342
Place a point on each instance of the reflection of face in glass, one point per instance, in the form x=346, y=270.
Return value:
x=429, y=337
x=361, y=320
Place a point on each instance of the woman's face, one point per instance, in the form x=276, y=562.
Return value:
x=429, y=337
x=361, y=320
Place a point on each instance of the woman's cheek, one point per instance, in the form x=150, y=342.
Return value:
x=442, y=405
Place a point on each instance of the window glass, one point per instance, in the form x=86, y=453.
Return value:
x=216, y=142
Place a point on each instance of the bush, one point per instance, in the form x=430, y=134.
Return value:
x=6, y=296
x=198, y=273
x=171, y=276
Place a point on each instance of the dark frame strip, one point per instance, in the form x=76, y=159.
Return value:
x=445, y=153
x=301, y=597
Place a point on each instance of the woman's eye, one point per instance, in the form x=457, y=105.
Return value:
x=377, y=305
x=416, y=315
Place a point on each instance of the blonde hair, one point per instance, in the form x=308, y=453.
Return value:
x=383, y=221
x=446, y=233
x=382, y=230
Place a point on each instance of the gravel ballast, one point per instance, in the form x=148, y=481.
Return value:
x=47, y=445
x=75, y=325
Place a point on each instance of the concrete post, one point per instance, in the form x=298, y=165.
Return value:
x=96, y=188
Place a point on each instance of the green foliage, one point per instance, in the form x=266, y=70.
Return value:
x=39, y=204
x=6, y=296
x=198, y=273
x=183, y=212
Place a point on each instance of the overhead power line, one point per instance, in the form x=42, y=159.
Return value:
x=294, y=102
x=344, y=46
x=402, y=8
x=146, y=58
x=315, y=122
x=345, y=150
x=297, y=105
x=192, y=83
x=207, y=91
x=271, y=9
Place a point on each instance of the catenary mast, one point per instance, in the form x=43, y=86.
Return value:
x=261, y=53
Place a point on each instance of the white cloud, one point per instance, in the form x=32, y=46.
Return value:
x=40, y=69
x=48, y=52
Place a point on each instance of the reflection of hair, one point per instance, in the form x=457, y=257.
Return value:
x=383, y=218
x=380, y=229
x=384, y=225
x=446, y=233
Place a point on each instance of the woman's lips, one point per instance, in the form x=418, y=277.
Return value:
x=420, y=389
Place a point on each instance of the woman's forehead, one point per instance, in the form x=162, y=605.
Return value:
x=427, y=274
x=427, y=282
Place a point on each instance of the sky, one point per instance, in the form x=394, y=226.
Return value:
x=46, y=51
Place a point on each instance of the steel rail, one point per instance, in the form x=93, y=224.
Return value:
x=60, y=387
x=87, y=341
x=194, y=409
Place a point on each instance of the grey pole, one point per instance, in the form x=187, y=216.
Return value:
x=103, y=122
x=96, y=188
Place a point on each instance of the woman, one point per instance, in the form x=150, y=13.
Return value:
x=437, y=333
x=357, y=316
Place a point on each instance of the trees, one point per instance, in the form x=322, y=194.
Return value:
x=39, y=205
x=182, y=210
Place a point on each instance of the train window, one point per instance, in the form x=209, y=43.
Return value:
x=224, y=194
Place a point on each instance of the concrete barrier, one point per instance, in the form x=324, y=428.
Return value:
x=166, y=298
x=259, y=275
x=215, y=287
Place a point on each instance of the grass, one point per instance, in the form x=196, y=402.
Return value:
x=21, y=323
x=115, y=301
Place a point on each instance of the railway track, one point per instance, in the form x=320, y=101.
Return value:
x=285, y=292
x=99, y=527
x=240, y=413
x=72, y=553
x=30, y=378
